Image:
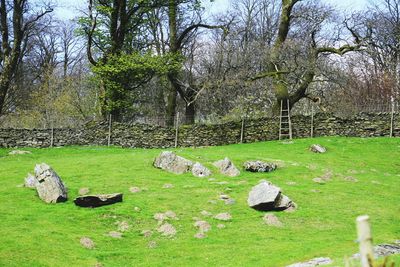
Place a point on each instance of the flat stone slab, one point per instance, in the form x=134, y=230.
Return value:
x=317, y=148
x=259, y=166
x=95, y=201
x=171, y=162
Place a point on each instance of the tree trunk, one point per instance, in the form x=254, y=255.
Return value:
x=171, y=106
x=190, y=113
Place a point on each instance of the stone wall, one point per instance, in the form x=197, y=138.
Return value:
x=148, y=136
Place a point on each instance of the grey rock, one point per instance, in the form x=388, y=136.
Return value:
x=383, y=250
x=19, y=152
x=264, y=196
x=284, y=203
x=272, y=220
x=171, y=162
x=225, y=216
x=49, y=185
x=134, y=189
x=199, y=170
x=226, y=167
x=200, y=235
x=87, y=242
x=115, y=234
x=203, y=226
x=95, y=201
x=167, y=230
x=316, y=148
x=30, y=181
x=259, y=166
x=83, y=191
x=147, y=233
x=312, y=263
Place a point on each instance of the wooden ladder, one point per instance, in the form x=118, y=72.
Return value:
x=285, y=124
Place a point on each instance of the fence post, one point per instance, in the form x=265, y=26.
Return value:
x=176, y=129
x=242, y=131
x=312, y=121
x=52, y=135
x=109, y=130
x=365, y=241
x=392, y=120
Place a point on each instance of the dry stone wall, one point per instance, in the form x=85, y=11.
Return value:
x=149, y=136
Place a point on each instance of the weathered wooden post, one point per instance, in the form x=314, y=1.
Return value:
x=176, y=129
x=242, y=131
x=365, y=241
x=312, y=121
x=109, y=130
x=392, y=120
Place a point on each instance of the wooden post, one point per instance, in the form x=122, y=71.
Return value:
x=176, y=129
x=109, y=130
x=52, y=135
x=365, y=241
x=392, y=120
x=242, y=132
x=312, y=121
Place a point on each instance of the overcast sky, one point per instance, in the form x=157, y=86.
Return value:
x=68, y=9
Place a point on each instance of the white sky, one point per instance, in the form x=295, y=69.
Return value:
x=68, y=9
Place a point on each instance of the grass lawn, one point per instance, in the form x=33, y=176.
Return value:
x=33, y=233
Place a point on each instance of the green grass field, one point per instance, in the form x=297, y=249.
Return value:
x=33, y=233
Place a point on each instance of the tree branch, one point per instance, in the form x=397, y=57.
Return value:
x=196, y=26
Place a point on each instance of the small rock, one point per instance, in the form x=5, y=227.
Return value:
x=147, y=233
x=166, y=186
x=350, y=179
x=319, y=180
x=199, y=170
x=284, y=203
x=203, y=226
x=224, y=196
x=316, y=148
x=206, y=213
x=259, y=166
x=123, y=226
x=200, y=235
x=137, y=209
x=83, y=191
x=170, y=214
x=221, y=226
x=167, y=230
x=169, y=161
x=223, y=216
x=30, y=181
x=19, y=152
x=115, y=234
x=312, y=263
x=134, y=189
x=272, y=220
x=152, y=244
x=226, y=167
x=87, y=242
x=160, y=217
x=230, y=201
x=291, y=183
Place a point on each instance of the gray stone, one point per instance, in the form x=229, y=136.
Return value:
x=264, y=196
x=30, y=181
x=284, y=203
x=206, y=213
x=203, y=226
x=19, y=152
x=200, y=235
x=168, y=186
x=316, y=148
x=95, y=201
x=259, y=166
x=49, y=186
x=226, y=167
x=312, y=263
x=225, y=216
x=123, y=226
x=171, y=162
x=167, y=229
x=147, y=233
x=272, y=220
x=383, y=250
x=199, y=170
x=87, y=242
x=115, y=234
x=152, y=244
x=134, y=189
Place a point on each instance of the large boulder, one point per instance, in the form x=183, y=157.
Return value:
x=95, y=201
x=49, y=186
x=199, y=170
x=264, y=196
x=316, y=148
x=171, y=162
x=259, y=166
x=226, y=167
